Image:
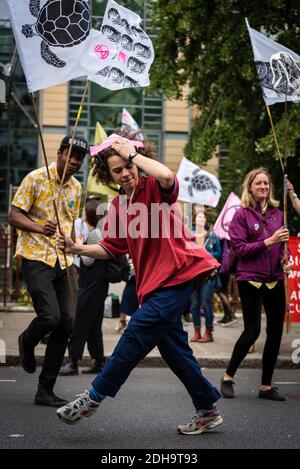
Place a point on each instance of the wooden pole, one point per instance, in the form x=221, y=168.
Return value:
x=283, y=162
x=72, y=138
x=275, y=138
x=286, y=247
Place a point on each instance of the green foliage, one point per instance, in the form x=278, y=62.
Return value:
x=205, y=43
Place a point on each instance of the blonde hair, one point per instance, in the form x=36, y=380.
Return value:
x=247, y=198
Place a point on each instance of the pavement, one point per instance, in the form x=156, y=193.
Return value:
x=211, y=355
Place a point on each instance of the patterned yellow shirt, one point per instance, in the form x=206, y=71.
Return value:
x=34, y=197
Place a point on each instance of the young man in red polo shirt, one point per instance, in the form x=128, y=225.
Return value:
x=144, y=221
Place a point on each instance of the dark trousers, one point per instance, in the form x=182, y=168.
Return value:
x=252, y=300
x=88, y=320
x=158, y=323
x=50, y=293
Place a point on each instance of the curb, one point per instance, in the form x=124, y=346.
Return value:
x=158, y=362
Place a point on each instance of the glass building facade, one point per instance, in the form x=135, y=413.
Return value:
x=18, y=136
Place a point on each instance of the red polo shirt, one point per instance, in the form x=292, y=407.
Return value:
x=149, y=227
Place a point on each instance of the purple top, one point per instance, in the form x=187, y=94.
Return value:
x=248, y=229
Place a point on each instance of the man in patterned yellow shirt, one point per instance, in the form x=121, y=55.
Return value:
x=43, y=266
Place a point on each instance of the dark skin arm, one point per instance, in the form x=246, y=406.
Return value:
x=20, y=220
x=73, y=234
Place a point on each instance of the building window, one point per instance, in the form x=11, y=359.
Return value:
x=18, y=137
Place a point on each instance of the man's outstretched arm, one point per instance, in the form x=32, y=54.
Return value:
x=95, y=251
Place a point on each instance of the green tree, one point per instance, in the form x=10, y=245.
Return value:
x=205, y=43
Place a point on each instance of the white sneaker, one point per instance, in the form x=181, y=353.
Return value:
x=202, y=421
x=83, y=406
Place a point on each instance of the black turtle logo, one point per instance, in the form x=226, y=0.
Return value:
x=60, y=23
x=200, y=183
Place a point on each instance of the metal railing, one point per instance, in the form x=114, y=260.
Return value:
x=12, y=287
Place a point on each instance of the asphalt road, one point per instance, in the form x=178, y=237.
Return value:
x=146, y=412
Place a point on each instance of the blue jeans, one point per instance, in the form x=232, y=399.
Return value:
x=203, y=296
x=158, y=323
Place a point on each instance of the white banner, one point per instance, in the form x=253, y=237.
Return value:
x=51, y=38
x=196, y=185
x=56, y=43
x=128, y=120
x=123, y=53
x=278, y=68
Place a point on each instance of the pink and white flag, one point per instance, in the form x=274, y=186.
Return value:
x=121, y=54
x=128, y=120
x=222, y=223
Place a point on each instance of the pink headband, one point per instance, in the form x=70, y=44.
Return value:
x=110, y=140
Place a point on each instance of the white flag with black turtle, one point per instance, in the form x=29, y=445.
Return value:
x=51, y=36
x=278, y=68
x=121, y=54
x=197, y=186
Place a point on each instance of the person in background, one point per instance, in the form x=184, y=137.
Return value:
x=294, y=197
x=82, y=230
x=167, y=268
x=44, y=267
x=257, y=237
x=129, y=302
x=92, y=291
x=204, y=293
x=224, y=275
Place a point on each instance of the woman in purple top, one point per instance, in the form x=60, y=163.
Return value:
x=257, y=237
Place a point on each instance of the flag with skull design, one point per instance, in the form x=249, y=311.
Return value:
x=278, y=68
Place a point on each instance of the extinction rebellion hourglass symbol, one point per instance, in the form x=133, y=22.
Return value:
x=101, y=51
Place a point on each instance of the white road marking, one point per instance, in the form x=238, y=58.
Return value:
x=287, y=382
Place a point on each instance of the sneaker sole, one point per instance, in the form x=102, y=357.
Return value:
x=209, y=426
x=68, y=422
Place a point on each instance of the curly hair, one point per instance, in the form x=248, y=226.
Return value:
x=99, y=165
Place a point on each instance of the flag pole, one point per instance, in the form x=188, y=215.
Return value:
x=51, y=189
x=286, y=249
x=72, y=138
x=283, y=162
x=275, y=138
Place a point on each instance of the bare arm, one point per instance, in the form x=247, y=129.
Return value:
x=20, y=220
x=92, y=250
x=151, y=167
x=294, y=197
x=73, y=234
